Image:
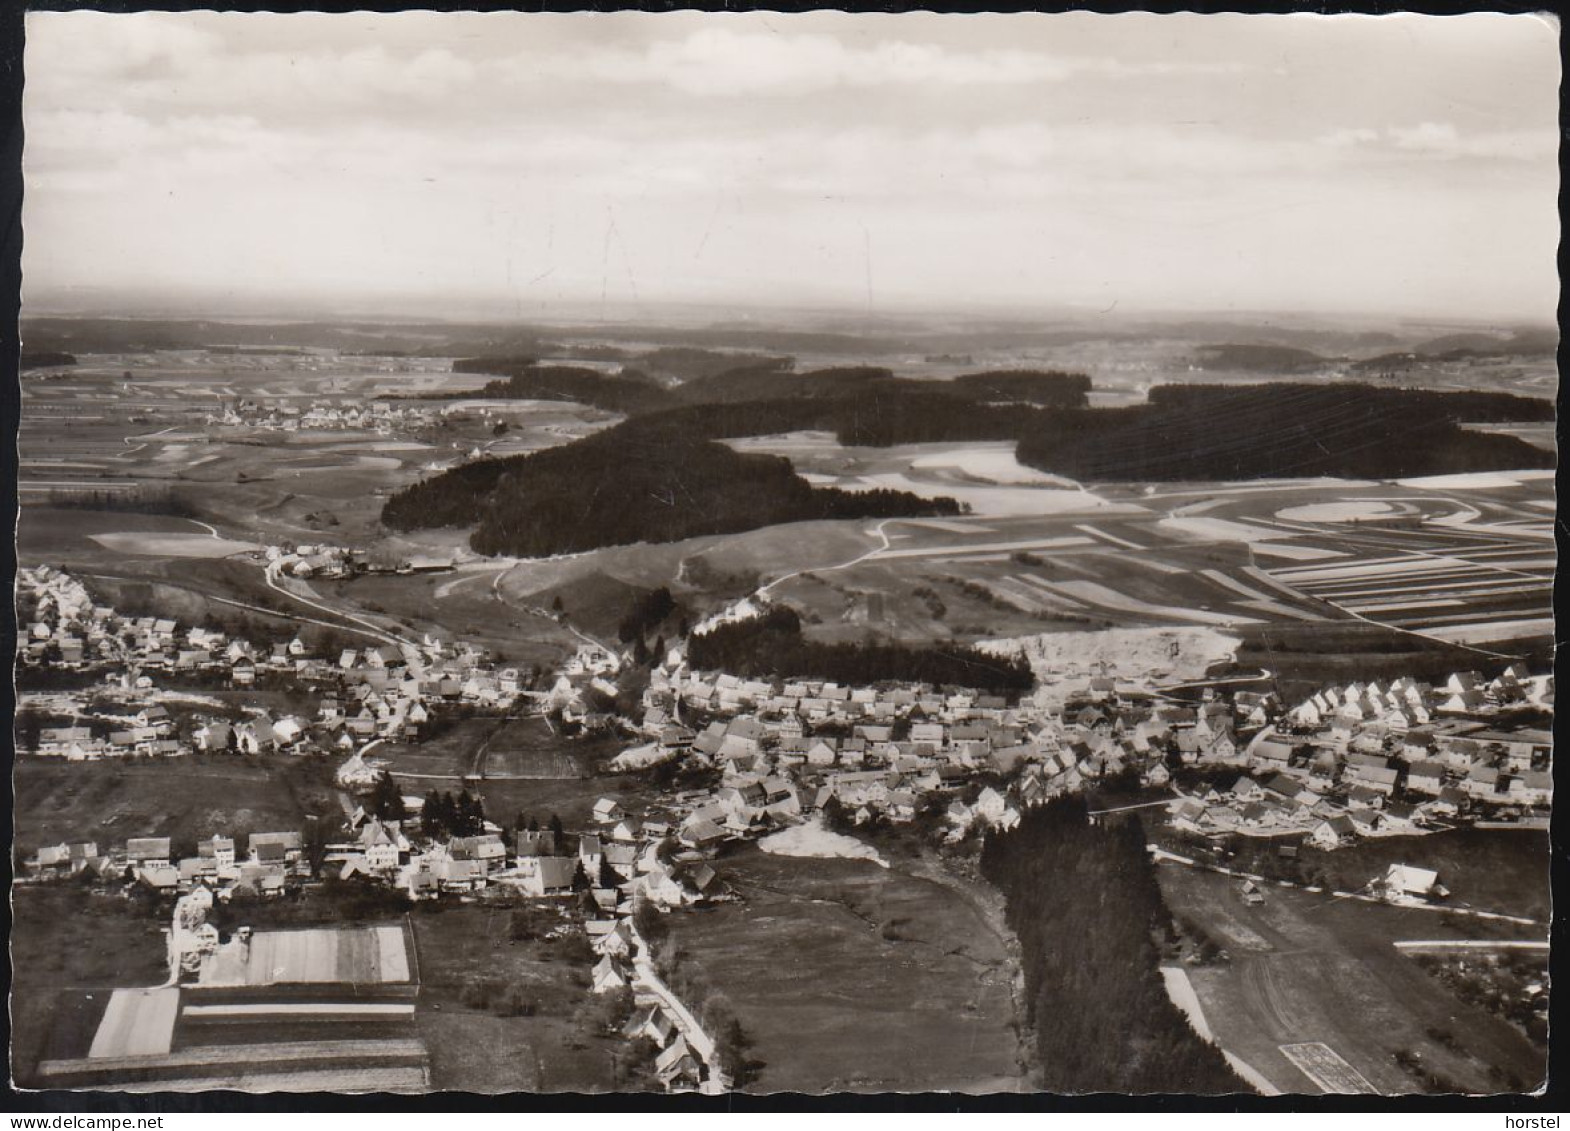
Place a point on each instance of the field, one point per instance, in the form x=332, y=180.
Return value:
x=1501, y=870
x=898, y=981
x=69, y=951
x=352, y=1030
x=186, y=799
x=552, y=1049
x=514, y=766
x=1455, y=559
x=1306, y=969
x=350, y=955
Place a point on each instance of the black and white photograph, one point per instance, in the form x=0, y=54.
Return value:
x=752, y=553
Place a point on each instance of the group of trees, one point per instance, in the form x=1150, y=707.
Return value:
x=773, y=645
x=649, y=610
x=1206, y=432
x=1085, y=904
x=525, y=379
x=386, y=800
x=637, y=482
x=663, y=475
x=443, y=815
x=525, y=822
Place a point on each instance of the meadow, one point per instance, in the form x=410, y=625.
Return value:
x=1307, y=968
x=899, y=980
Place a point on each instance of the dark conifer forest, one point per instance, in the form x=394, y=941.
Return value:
x=772, y=646
x=661, y=475
x=1084, y=902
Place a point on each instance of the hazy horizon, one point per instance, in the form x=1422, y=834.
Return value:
x=526, y=167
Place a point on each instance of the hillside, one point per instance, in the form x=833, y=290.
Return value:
x=633, y=483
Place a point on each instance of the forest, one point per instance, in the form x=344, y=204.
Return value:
x=1207, y=432
x=526, y=380
x=772, y=645
x=660, y=476
x=1083, y=900
x=631, y=483
x=45, y=359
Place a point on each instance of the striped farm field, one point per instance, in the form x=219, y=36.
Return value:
x=341, y=954
x=222, y=1060
x=348, y=1080
x=1446, y=579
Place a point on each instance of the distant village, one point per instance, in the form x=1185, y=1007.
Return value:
x=345, y=414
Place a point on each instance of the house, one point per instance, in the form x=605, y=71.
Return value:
x=1333, y=833
x=616, y=942
x=220, y=849
x=607, y=811
x=1404, y=881
x=460, y=875
x=676, y=1066
x=622, y=859
x=486, y=849
x=606, y=976
x=701, y=834
x=1426, y=777
x=275, y=847
x=148, y=850
x=547, y=875
x=590, y=854
x=650, y=1023
x=1271, y=756
x=1482, y=783
x=1247, y=789
x=1537, y=787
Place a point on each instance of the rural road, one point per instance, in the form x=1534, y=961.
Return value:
x=270, y=573
x=644, y=978
x=877, y=530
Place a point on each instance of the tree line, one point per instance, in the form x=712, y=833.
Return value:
x=772, y=645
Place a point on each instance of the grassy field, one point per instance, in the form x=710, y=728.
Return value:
x=183, y=798
x=1501, y=870
x=460, y=605
x=896, y=979
x=1307, y=968
x=497, y=747
x=474, y=1050
x=68, y=949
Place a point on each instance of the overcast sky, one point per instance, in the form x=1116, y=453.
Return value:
x=512, y=163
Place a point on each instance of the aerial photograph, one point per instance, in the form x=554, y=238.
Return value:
x=768, y=553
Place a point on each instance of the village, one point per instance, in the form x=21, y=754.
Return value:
x=381, y=417
x=756, y=757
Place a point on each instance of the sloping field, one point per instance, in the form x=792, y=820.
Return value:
x=1307, y=969
x=336, y=954
x=173, y=545
x=204, y=1064
x=898, y=980
x=1327, y=1068
x=1456, y=582
x=136, y=1023
x=349, y=1080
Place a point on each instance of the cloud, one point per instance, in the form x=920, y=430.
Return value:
x=721, y=61
x=1444, y=141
